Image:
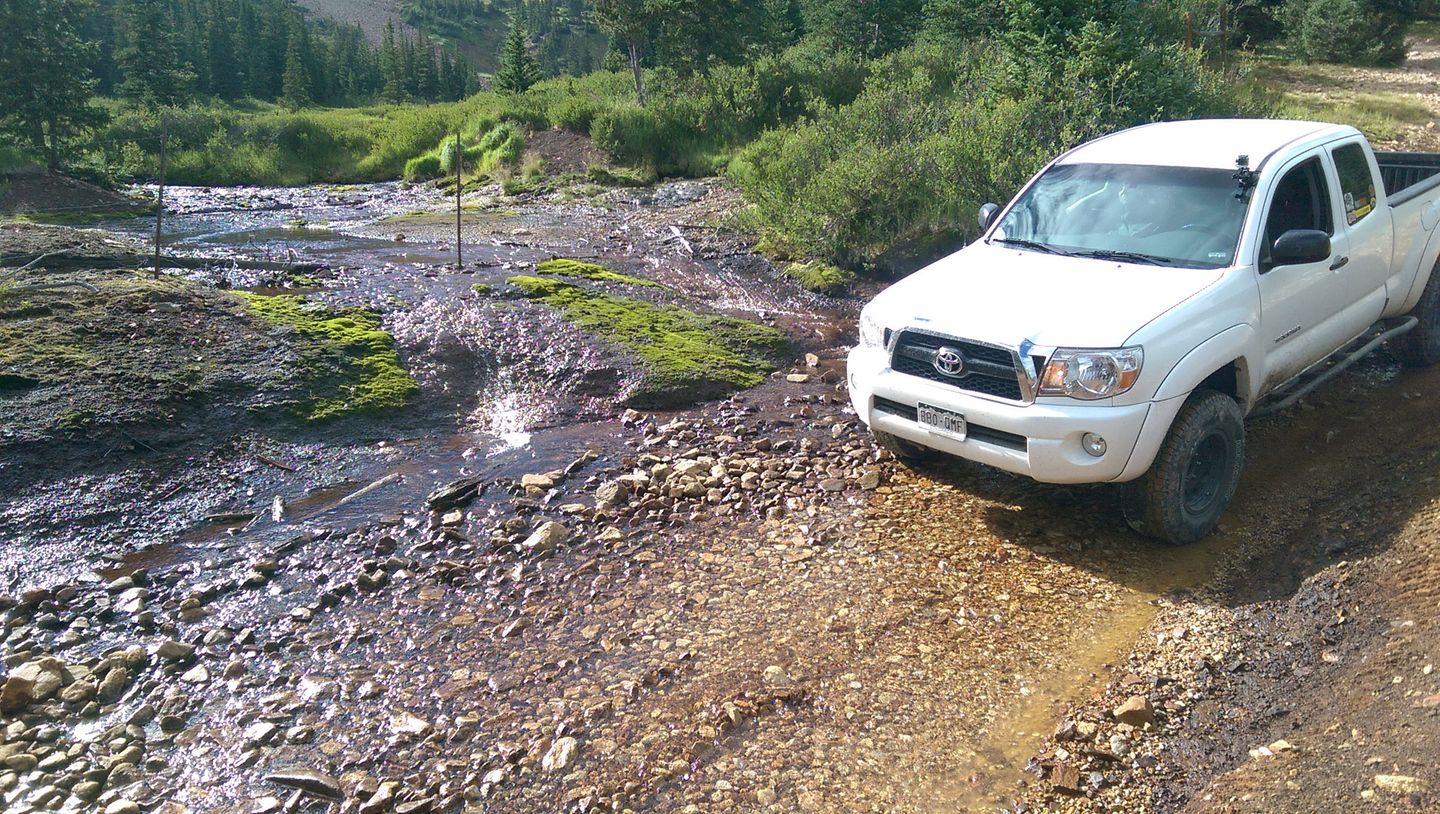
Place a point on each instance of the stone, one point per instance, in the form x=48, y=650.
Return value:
x=545, y=539
x=196, y=675
x=537, y=481
x=46, y=675
x=766, y=797
x=776, y=675
x=22, y=762
x=612, y=492
x=123, y=806
x=403, y=723
x=171, y=650
x=260, y=733
x=1136, y=711
x=870, y=480
x=113, y=684
x=421, y=806
x=561, y=755
x=308, y=780
x=798, y=378
x=16, y=694
x=1400, y=784
x=1066, y=778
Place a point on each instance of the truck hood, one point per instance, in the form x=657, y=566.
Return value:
x=1006, y=296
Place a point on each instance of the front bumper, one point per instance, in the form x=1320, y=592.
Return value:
x=1041, y=441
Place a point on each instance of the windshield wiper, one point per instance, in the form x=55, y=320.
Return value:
x=1132, y=257
x=1029, y=244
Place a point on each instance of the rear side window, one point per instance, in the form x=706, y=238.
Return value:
x=1302, y=201
x=1357, y=183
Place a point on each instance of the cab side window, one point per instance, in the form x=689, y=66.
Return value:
x=1302, y=201
x=1357, y=183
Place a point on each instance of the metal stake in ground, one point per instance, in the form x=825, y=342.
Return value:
x=160, y=194
x=459, y=164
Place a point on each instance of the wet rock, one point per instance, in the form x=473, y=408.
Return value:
x=1136, y=711
x=46, y=675
x=171, y=650
x=560, y=755
x=113, y=684
x=308, y=780
x=454, y=495
x=380, y=800
x=545, y=540
x=16, y=694
x=544, y=482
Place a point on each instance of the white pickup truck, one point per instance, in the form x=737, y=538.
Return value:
x=1142, y=295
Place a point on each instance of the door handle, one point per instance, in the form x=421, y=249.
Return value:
x=1340, y=263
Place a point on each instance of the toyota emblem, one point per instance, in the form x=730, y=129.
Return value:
x=949, y=361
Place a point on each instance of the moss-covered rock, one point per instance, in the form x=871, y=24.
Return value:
x=820, y=277
x=685, y=356
x=579, y=269
x=352, y=364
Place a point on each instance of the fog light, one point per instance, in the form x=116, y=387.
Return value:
x=1094, y=444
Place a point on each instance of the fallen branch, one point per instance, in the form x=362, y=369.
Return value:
x=379, y=484
x=277, y=464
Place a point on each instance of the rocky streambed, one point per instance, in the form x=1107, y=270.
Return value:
x=517, y=594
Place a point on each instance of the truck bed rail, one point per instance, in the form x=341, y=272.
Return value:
x=1408, y=175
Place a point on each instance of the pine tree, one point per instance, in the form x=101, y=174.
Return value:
x=223, y=67
x=45, y=83
x=390, y=67
x=518, y=69
x=150, y=57
x=296, y=79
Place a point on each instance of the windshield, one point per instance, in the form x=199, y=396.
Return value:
x=1176, y=216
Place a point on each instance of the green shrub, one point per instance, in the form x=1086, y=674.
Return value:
x=1353, y=32
x=424, y=168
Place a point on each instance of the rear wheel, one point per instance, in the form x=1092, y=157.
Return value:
x=905, y=452
x=1193, y=479
x=1421, y=347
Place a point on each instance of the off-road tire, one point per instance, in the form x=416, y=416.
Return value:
x=1421, y=347
x=911, y=455
x=1193, y=479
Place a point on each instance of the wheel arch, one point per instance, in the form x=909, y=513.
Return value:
x=1219, y=363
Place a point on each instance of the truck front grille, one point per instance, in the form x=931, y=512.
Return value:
x=987, y=371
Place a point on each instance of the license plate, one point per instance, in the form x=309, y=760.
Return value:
x=944, y=422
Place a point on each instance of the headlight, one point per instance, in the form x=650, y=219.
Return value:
x=1091, y=374
x=872, y=335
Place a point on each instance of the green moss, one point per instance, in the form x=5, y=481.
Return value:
x=590, y=271
x=352, y=364
x=820, y=277
x=685, y=356
x=483, y=289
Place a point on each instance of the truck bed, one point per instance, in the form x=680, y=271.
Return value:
x=1408, y=175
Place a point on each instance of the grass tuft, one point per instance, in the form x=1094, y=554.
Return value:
x=820, y=277
x=579, y=269
x=685, y=356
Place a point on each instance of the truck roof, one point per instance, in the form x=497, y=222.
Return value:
x=1210, y=143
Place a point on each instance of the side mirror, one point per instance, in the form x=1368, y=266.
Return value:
x=988, y=213
x=1300, y=246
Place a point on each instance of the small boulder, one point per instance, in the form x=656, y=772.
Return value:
x=1136, y=711
x=309, y=780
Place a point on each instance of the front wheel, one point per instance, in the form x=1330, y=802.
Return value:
x=1194, y=477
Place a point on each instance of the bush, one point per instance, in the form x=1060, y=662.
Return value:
x=1353, y=32
x=935, y=134
x=424, y=168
